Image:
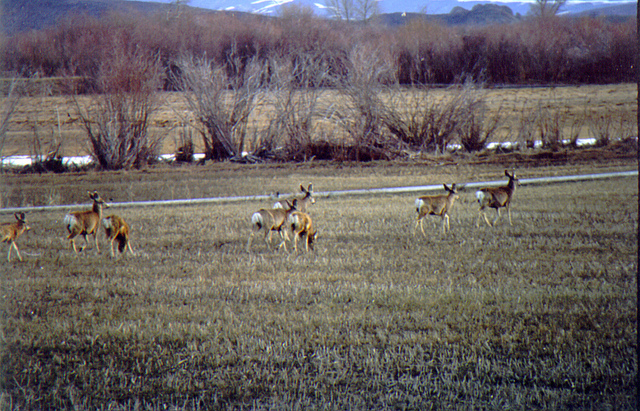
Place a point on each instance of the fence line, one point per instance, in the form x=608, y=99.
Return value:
x=338, y=193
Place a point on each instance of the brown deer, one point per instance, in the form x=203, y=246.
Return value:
x=116, y=229
x=85, y=222
x=438, y=205
x=302, y=226
x=497, y=197
x=303, y=203
x=272, y=220
x=11, y=231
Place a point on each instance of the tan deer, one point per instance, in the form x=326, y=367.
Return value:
x=497, y=197
x=302, y=226
x=271, y=220
x=116, y=229
x=303, y=203
x=438, y=205
x=85, y=222
x=11, y=231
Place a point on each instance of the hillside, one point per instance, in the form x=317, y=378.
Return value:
x=24, y=15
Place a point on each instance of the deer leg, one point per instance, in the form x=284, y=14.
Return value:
x=497, y=215
x=445, y=219
x=111, y=243
x=9, y=255
x=14, y=245
x=95, y=237
x=509, y=213
x=129, y=247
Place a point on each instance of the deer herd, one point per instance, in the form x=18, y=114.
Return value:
x=283, y=217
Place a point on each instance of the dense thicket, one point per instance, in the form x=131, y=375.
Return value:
x=551, y=50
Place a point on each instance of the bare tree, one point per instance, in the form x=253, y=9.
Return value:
x=349, y=10
x=117, y=119
x=546, y=8
x=341, y=9
x=222, y=99
x=366, y=9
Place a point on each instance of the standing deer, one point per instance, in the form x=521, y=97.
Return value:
x=497, y=197
x=116, y=229
x=304, y=202
x=85, y=222
x=438, y=205
x=11, y=231
x=302, y=226
x=272, y=220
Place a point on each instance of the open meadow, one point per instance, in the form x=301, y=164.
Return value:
x=538, y=315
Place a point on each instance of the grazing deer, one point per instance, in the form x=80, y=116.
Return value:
x=304, y=202
x=497, y=197
x=116, y=229
x=85, y=222
x=301, y=225
x=11, y=231
x=272, y=220
x=438, y=205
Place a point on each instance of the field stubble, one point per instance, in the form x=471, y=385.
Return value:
x=541, y=314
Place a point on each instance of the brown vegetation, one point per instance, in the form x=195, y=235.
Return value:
x=539, y=314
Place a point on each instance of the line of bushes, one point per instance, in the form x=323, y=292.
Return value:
x=536, y=50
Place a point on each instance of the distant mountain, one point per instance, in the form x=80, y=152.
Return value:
x=480, y=14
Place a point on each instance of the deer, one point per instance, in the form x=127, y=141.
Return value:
x=272, y=220
x=302, y=226
x=85, y=222
x=497, y=197
x=116, y=229
x=304, y=202
x=11, y=231
x=438, y=205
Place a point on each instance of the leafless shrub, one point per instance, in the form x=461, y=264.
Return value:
x=362, y=113
x=611, y=125
x=116, y=121
x=221, y=98
x=601, y=128
x=9, y=104
x=526, y=128
x=479, y=127
x=431, y=124
x=185, y=148
x=295, y=101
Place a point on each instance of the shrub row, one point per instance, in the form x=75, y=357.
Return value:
x=550, y=50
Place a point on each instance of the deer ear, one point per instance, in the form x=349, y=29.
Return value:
x=310, y=189
x=302, y=188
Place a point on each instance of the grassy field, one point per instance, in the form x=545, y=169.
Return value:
x=538, y=315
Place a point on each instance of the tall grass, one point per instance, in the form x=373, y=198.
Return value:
x=541, y=314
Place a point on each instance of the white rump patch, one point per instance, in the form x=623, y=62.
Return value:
x=278, y=204
x=256, y=218
x=480, y=195
x=419, y=204
x=70, y=220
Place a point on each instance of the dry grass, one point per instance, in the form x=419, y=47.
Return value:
x=43, y=115
x=541, y=314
